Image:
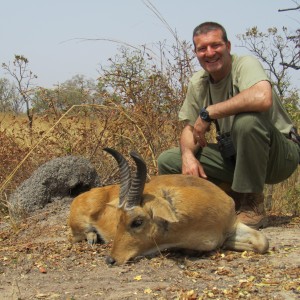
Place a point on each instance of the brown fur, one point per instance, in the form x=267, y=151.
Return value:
x=90, y=214
x=177, y=211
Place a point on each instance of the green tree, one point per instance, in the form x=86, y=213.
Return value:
x=77, y=90
x=44, y=101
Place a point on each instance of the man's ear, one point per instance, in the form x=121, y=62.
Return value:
x=163, y=209
x=229, y=45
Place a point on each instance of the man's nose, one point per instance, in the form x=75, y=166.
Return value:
x=210, y=51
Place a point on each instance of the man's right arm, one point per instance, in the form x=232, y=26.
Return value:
x=190, y=164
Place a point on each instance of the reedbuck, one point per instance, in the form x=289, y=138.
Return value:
x=171, y=211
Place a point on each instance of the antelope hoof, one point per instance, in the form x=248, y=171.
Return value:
x=91, y=238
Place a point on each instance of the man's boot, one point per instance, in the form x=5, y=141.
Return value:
x=226, y=187
x=252, y=211
x=237, y=197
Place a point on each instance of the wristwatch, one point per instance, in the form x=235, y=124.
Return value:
x=204, y=115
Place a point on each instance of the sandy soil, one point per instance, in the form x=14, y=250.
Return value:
x=37, y=261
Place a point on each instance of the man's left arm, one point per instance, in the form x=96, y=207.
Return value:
x=257, y=98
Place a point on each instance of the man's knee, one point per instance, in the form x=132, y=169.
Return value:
x=169, y=162
x=247, y=123
x=161, y=161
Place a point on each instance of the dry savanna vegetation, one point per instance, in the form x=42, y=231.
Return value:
x=85, y=129
x=133, y=106
x=38, y=261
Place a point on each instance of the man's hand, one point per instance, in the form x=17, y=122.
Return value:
x=200, y=128
x=191, y=166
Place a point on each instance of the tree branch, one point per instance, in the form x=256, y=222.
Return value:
x=287, y=9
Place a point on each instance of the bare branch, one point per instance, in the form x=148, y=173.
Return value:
x=288, y=9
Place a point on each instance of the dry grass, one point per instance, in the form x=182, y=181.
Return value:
x=85, y=129
x=285, y=196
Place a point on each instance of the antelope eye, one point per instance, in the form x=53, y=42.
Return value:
x=136, y=223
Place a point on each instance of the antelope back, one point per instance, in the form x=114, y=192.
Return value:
x=171, y=211
x=177, y=211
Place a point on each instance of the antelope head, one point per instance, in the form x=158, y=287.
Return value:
x=141, y=219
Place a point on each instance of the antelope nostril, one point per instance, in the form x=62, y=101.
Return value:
x=110, y=261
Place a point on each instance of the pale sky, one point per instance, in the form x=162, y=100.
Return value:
x=44, y=30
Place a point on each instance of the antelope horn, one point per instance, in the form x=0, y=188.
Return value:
x=125, y=174
x=138, y=182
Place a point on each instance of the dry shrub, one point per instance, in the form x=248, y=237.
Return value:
x=85, y=131
x=284, y=197
x=10, y=156
x=139, y=111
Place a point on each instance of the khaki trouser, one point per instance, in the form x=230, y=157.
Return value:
x=263, y=155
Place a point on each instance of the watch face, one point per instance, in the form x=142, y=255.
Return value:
x=204, y=115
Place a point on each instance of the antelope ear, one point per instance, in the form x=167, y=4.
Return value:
x=163, y=209
x=114, y=203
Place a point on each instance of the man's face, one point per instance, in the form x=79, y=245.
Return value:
x=213, y=54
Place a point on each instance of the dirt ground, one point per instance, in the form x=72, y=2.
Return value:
x=37, y=261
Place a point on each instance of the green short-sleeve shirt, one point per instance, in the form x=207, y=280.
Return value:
x=246, y=71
